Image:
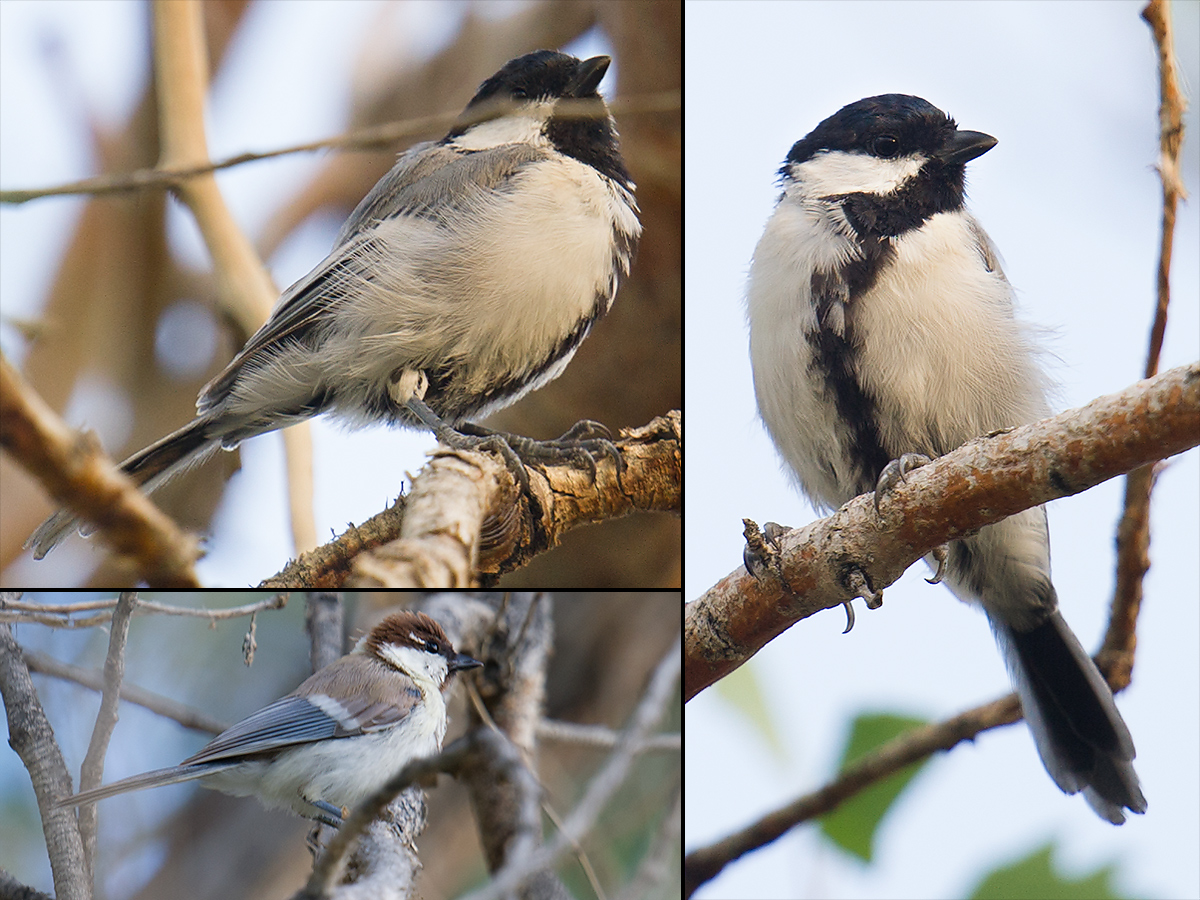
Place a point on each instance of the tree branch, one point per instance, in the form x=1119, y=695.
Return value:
x=1133, y=531
x=984, y=481
x=30, y=735
x=77, y=473
x=92, y=771
x=434, y=549
x=705, y=863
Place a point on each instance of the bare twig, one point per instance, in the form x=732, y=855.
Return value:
x=1133, y=530
x=56, y=615
x=372, y=138
x=649, y=710
x=1170, y=116
x=705, y=863
x=59, y=609
x=92, y=771
x=328, y=565
x=599, y=736
x=45, y=664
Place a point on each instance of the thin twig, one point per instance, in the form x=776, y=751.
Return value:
x=46, y=614
x=45, y=664
x=600, y=736
x=92, y=771
x=705, y=863
x=1133, y=530
x=372, y=138
x=649, y=711
x=1170, y=117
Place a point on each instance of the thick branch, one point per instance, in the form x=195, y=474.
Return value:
x=76, y=472
x=441, y=530
x=984, y=481
x=438, y=551
x=30, y=735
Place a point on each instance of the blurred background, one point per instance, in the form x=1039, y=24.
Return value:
x=108, y=304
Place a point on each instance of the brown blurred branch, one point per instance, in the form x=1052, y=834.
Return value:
x=244, y=286
x=77, y=473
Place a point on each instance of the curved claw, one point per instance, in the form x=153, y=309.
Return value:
x=858, y=582
x=593, y=447
x=586, y=429
x=939, y=553
x=756, y=564
x=849, y=616
x=894, y=472
x=761, y=553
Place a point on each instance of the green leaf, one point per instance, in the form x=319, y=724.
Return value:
x=1034, y=877
x=743, y=691
x=853, y=825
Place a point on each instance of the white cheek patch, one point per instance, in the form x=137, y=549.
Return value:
x=838, y=172
x=428, y=670
x=523, y=126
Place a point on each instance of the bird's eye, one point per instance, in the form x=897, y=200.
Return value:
x=432, y=647
x=520, y=94
x=885, y=146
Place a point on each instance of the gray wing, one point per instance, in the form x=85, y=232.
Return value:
x=309, y=714
x=431, y=181
x=434, y=180
x=285, y=723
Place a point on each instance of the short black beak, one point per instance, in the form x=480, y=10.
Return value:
x=588, y=76
x=964, y=146
x=461, y=661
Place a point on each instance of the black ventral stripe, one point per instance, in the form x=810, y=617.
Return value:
x=835, y=360
x=876, y=219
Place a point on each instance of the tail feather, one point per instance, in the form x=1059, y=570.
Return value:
x=1080, y=735
x=158, y=777
x=150, y=468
